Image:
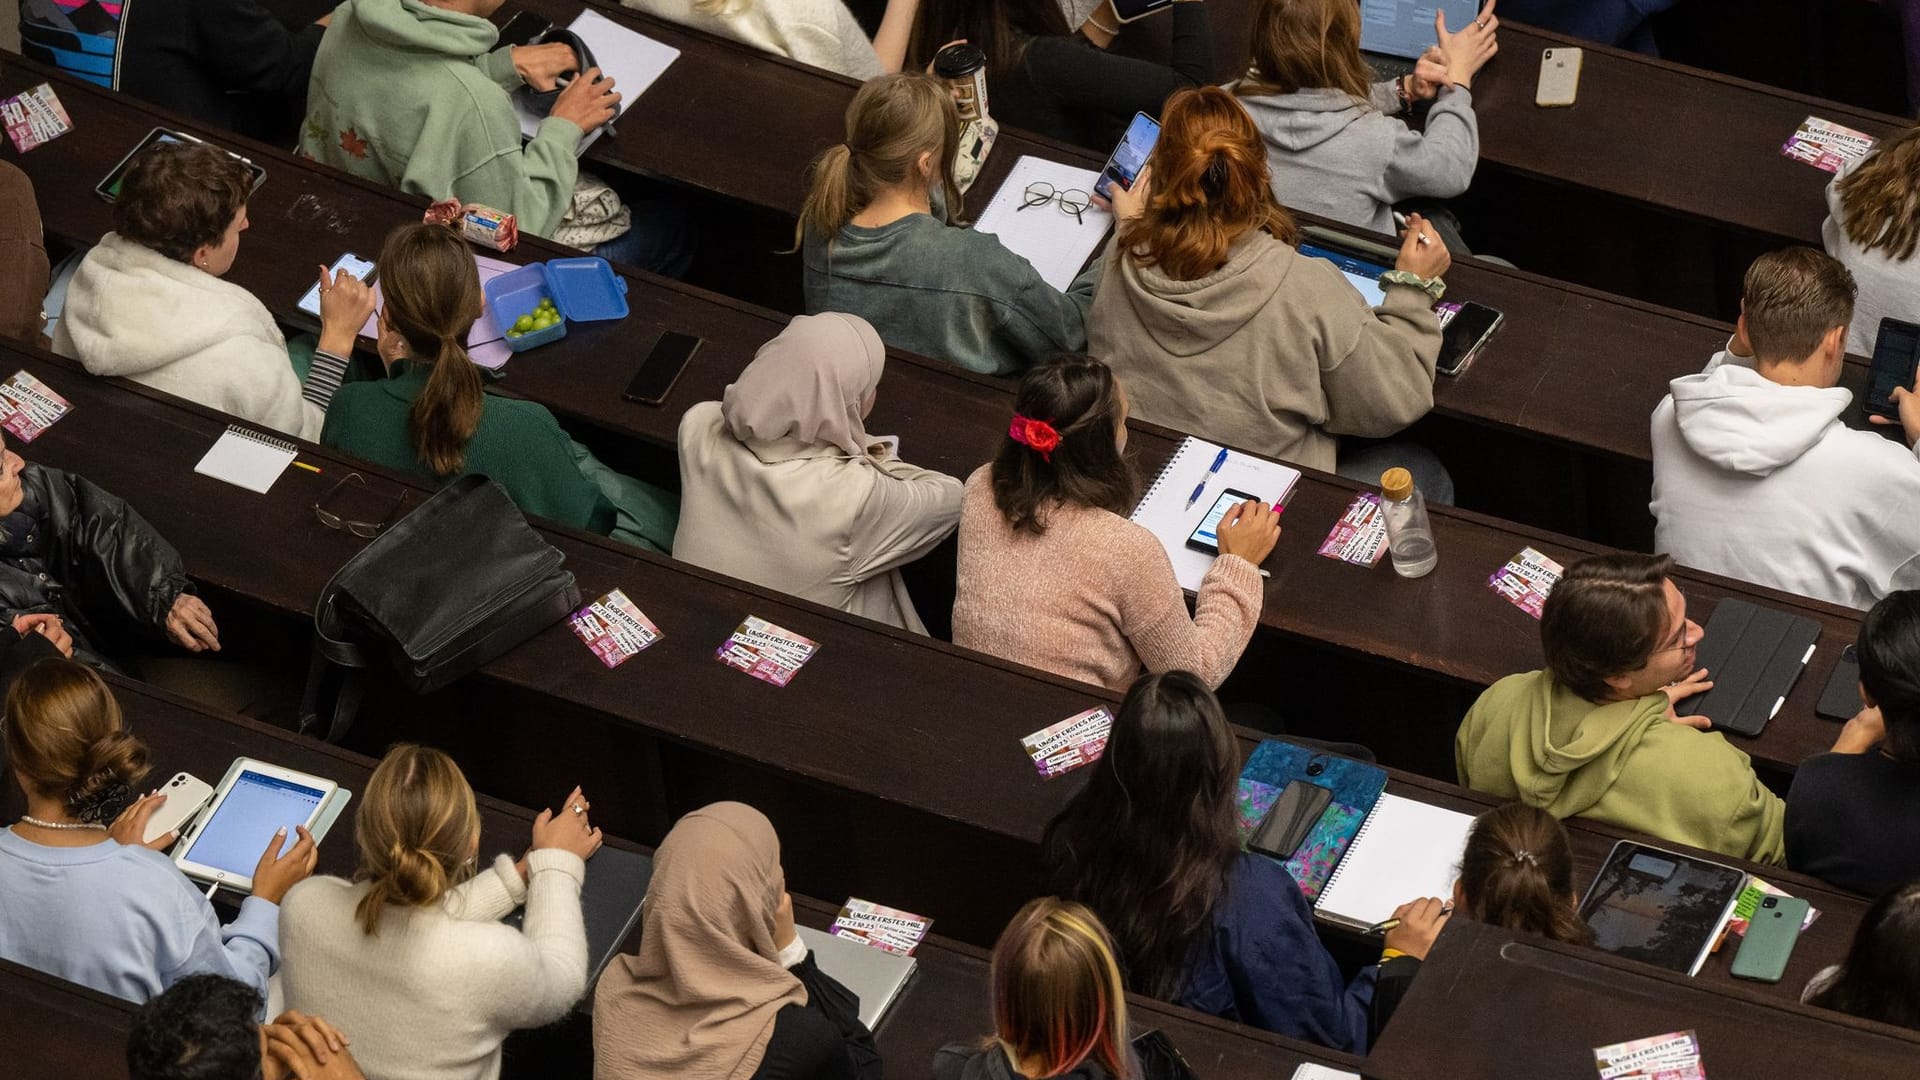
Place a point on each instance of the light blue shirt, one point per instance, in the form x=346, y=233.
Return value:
x=124, y=920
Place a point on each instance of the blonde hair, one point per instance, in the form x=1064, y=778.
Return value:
x=1307, y=45
x=430, y=285
x=416, y=829
x=1057, y=991
x=892, y=121
x=1881, y=198
x=64, y=739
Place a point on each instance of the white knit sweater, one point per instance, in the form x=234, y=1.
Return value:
x=822, y=33
x=433, y=995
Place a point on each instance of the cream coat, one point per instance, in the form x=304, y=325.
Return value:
x=806, y=520
x=818, y=32
x=134, y=312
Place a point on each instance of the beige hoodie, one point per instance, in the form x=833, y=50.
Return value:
x=1275, y=352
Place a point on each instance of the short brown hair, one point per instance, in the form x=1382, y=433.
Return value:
x=1078, y=396
x=64, y=740
x=179, y=196
x=1793, y=298
x=1605, y=618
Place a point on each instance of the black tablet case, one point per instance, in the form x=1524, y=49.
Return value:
x=1753, y=655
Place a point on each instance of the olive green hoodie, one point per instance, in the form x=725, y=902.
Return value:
x=416, y=97
x=1622, y=763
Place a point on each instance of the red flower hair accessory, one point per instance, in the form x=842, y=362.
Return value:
x=1034, y=434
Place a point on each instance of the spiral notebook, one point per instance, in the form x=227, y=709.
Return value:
x=247, y=459
x=1406, y=849
x=1165, y=508
x=1056, y=241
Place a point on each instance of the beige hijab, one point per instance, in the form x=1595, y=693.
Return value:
x=698, y=1001
x=808, y=385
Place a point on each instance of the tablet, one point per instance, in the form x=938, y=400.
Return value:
x=225, y=843
x=1660, y=907
x=1362, y=272
x=109, y=186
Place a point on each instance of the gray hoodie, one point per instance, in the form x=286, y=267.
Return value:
x=1333, y=155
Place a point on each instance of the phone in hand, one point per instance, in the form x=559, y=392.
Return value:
x=352, y=264
x=1896, y=356
x=1559, y=77
x=1206, y=535
x=1124, y=164
x=1771, y=934
x=186, y=795
x=1464, y=332
x=662, y=367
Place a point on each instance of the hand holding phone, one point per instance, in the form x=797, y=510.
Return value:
x=1128, y=158
x=354, y=265
x=1893, y=391
x=186, y=794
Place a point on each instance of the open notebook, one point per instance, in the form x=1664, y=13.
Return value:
x=1056, y=242
x=1406, y=849
x=1165, y=512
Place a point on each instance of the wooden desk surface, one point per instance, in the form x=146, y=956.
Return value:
x=1492, y=1006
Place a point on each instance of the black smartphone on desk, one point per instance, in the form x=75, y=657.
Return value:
x=1896, y=354
x=1464, y=333
x=1840, y=700
x=662, y=367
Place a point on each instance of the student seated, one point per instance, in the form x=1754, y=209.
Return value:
x=1515, y=873
x=1152, y=845
x=874, y=246
x=432, y=414
x=1595, y=735
x=818, y=32
x=411, y=956
x=1337, y=145
x=723, y=986
x=86, y=900
x=1880, y=978
x=1756, y=442
x=1853, y=812
x=148, y=302
x=203, y=1028
x=414, y=94
x=1873, y=228
x=1053, y=575
x=1221, y=327
x=781, y=485
x=1059, y=1007
x=23, y=259
x=1049, y=75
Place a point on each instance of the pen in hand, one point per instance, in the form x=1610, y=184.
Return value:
x=1391, y=924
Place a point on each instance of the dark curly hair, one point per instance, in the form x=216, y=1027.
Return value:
x=178, y=196
x=201, y=1028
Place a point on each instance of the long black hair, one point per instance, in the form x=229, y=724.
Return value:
x=1079, y=397
x=1148, y=843
x=1880, y=979
x=1889, y=652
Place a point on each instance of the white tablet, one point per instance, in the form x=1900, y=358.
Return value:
x=255, y=800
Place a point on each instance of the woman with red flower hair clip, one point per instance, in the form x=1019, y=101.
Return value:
x=1053, y=575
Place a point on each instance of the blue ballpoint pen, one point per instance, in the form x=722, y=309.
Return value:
x=1201, y=488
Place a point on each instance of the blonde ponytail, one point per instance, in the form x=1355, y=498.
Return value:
x=891, y=122
x=416, y=829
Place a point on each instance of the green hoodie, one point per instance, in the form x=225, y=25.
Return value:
x=1622, y=763
x=414, y=96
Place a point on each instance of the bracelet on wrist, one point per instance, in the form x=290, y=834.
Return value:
x=1433, y=286
x=1405, y=95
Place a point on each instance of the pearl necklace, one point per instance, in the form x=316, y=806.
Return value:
x=31, y=820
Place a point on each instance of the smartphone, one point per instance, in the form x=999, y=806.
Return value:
x=1127, y=11
x=1159, y=1058
x=1896, y=351
x=1771, y=932
x=1840, y=700
x=1206, y=536
x=523, y=28
x=662, y=368
x=1559, y=78
x=352, y=264
x=186, y=794
x=1126, y=161
x=1290, y=818
x=1464, y=333
x=109, y=186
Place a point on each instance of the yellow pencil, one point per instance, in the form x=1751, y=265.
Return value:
x=304, y=465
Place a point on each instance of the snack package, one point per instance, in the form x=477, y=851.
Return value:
x=493, y=229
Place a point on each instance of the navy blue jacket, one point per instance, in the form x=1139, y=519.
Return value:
x=1261, y=963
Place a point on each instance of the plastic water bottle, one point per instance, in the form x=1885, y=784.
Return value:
x=1409, y=534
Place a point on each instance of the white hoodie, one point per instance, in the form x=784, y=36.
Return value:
x=134, y=312
x=1763, y=482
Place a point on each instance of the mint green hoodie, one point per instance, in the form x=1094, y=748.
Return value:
x=1623, y=763
x=414, y=96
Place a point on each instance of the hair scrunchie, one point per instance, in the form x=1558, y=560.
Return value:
x=1035, y=435
x=103, y=805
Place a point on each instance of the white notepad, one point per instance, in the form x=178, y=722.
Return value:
x=1048, y=237
x=1309, y=1071
x=631, y=59
x=1164, y=510
x=247, y=459
x=1406, y=849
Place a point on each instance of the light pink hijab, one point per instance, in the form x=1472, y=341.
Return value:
x=809, y=384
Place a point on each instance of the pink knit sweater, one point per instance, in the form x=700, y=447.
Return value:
x=1094, y=597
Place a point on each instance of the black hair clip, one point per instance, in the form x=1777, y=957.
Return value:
x=102, y=806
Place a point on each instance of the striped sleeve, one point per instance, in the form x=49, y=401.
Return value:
x=324, y=377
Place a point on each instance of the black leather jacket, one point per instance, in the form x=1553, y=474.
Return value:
x=82, y=553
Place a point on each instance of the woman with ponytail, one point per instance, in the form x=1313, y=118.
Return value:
x=1059, y=1008
x=1222, y=328
x=433, y=416
x=411, y=955
x=1873, y=228
x=1853, y=812
x=876, y=242
x=81, y=895
x=1053, y=575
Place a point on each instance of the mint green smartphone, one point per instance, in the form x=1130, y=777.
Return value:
x=1770, y=937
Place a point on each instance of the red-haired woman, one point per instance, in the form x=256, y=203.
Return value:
x=1222, y=328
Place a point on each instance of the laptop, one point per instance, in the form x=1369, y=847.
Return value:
x=1393, y=33
x=875, y=976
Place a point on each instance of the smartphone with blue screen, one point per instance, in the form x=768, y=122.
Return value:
x=1124, y=165
x=1206, y=535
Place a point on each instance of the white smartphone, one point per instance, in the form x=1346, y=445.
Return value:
x=254, y=801
x=186, y=794
x=1559, y=78
x=352, y=264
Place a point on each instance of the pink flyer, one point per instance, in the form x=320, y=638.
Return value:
x=766, y=652
x=614, y=629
